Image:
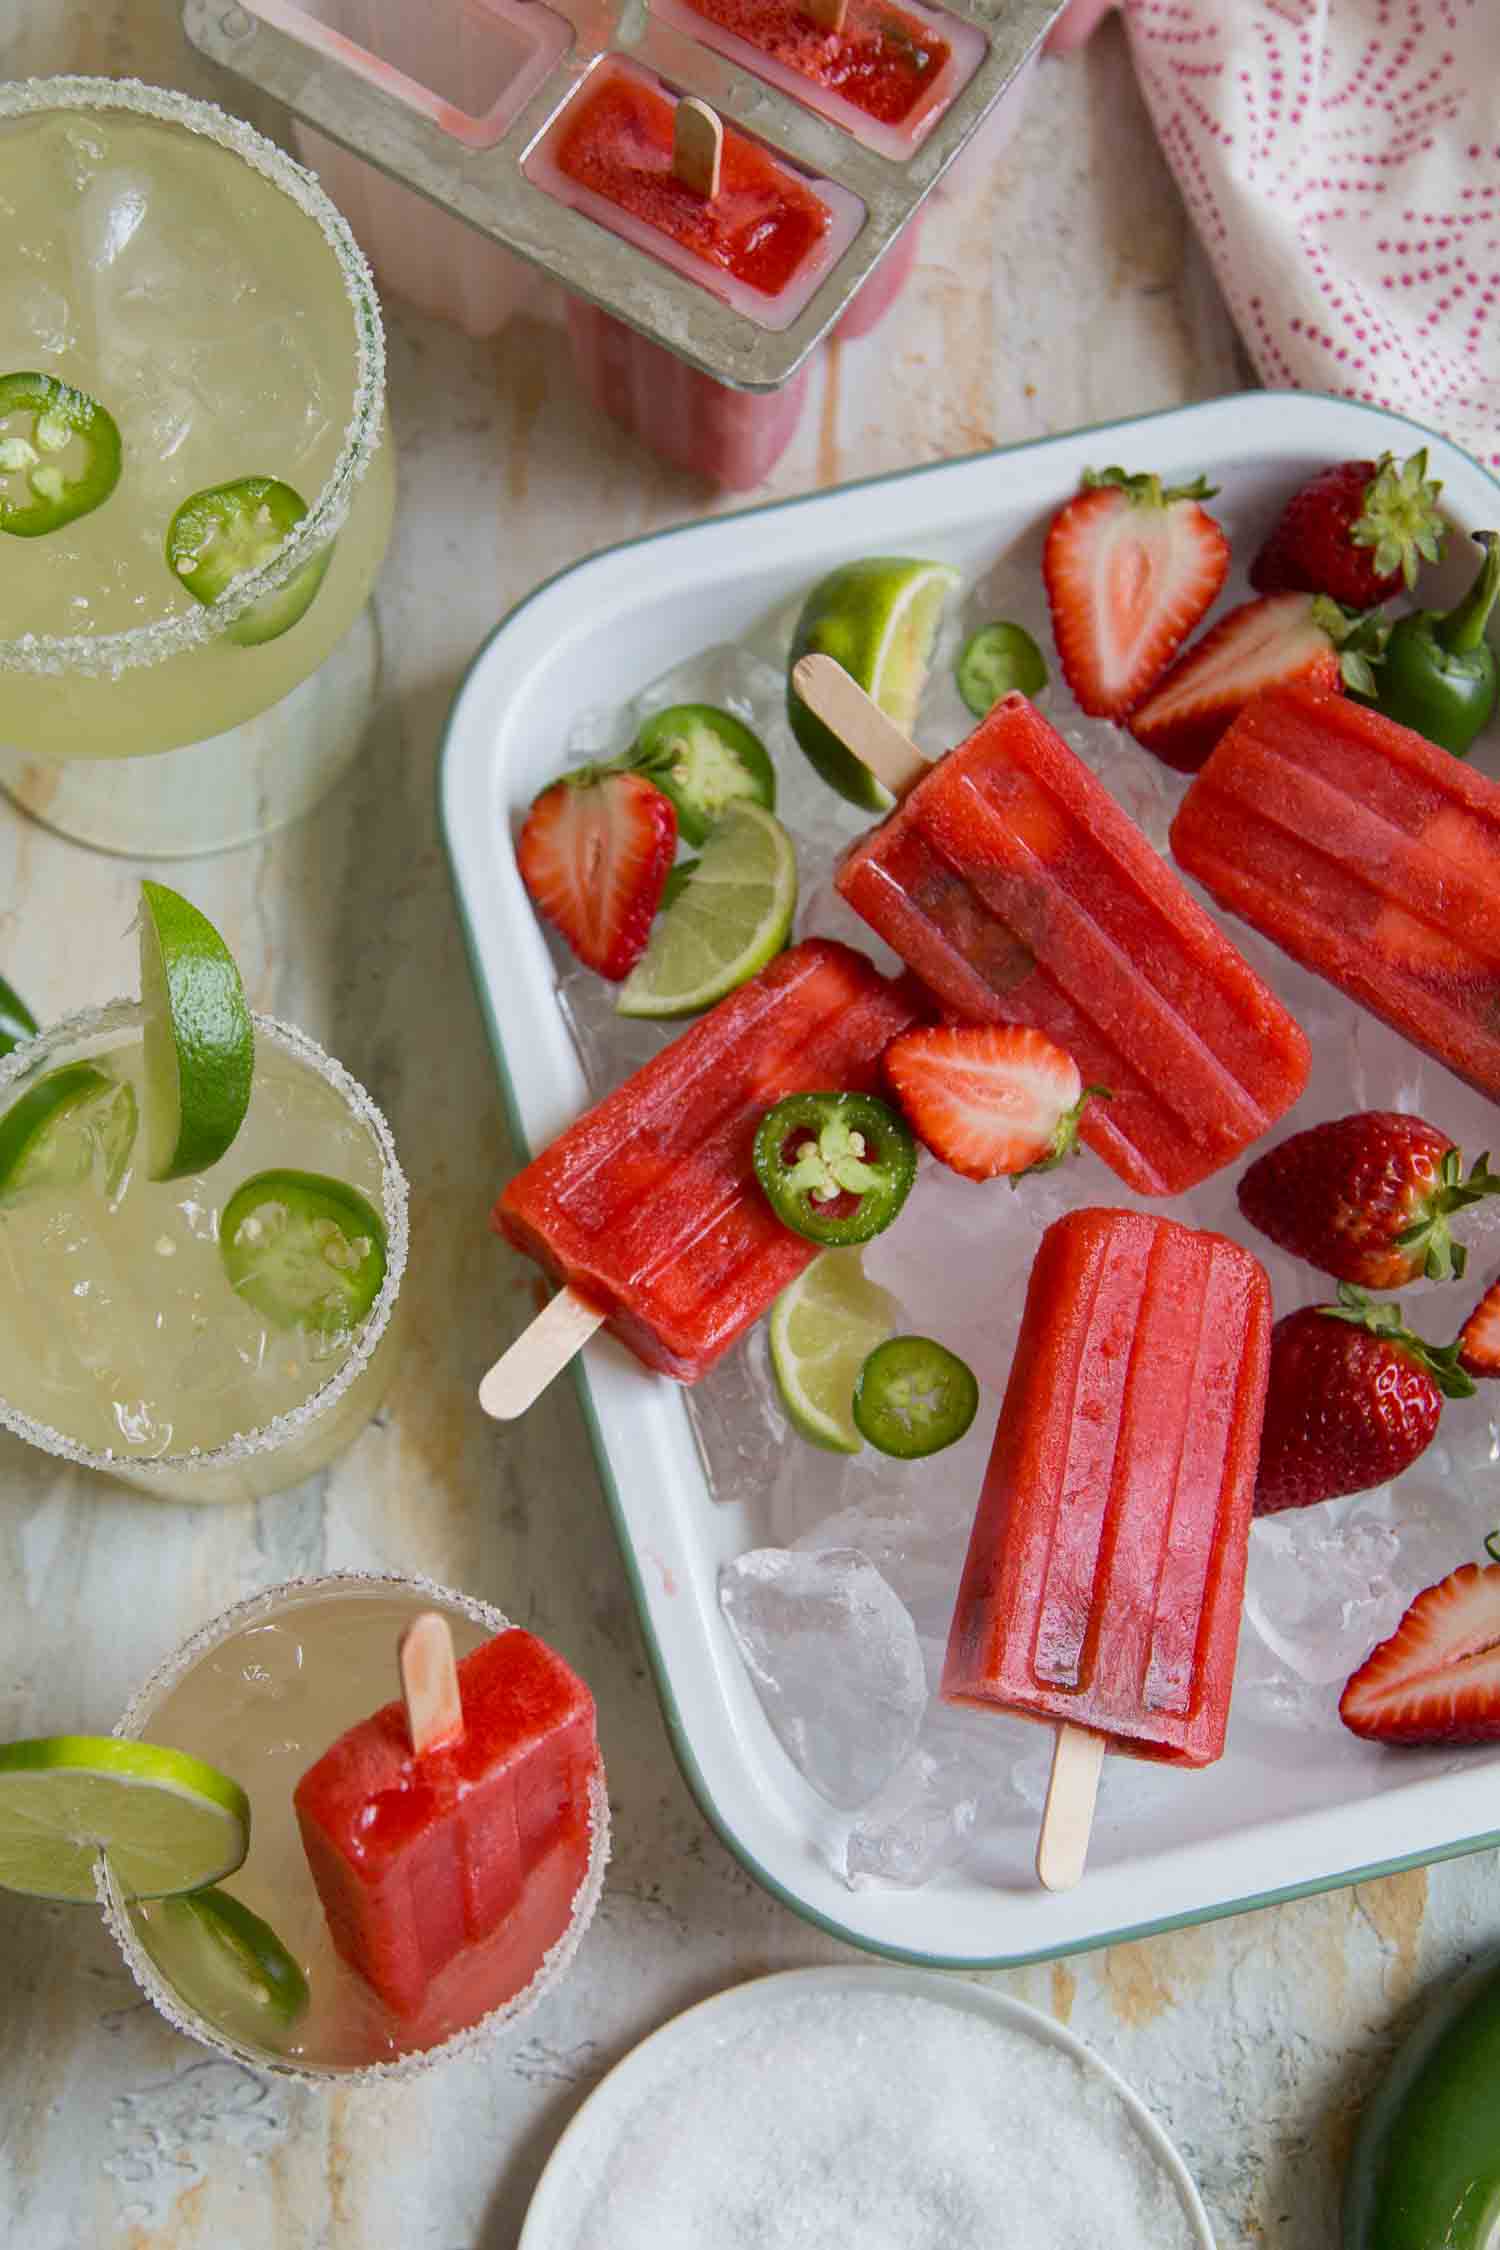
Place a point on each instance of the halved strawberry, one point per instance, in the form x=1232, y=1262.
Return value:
x=1479, y=1338
x=595, y=853
x=1357, y=531
x=1437, y=1679
x=989, y=1099
x=1265, y=643
x=1130, y=569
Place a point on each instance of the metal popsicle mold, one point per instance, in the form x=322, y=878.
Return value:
x=323, y=85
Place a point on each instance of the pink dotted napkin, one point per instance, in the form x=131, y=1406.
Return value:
x=1341, y=161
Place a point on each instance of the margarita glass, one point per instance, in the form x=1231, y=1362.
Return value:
x=188, y=283
x=268, y=1687
x=125, y=1344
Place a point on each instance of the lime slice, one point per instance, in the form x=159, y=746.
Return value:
x=16, y=1020
x=222, y=1951
x=878, y=619
x=199, y=1040
x=823, y=1329
x=166, y=1821
x=732, y=915
x=70, y=1124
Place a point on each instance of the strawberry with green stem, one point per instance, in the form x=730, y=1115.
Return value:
x=1274, y=641
x=1357, y=531
x=990, y=1101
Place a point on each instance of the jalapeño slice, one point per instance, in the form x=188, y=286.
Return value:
x=227, y=529
x=703, y=759
x=835, y=1167
x=59, y=454
x=306, y=1251
x=913, y=1397
x=996, y=661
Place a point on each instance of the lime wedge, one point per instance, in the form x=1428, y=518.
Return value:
x=167, y=1822
x=823, y=1329
x=68, y=1125
x=878, y=619
x=199, y=1040
x=730, y=918
x=229, y=1955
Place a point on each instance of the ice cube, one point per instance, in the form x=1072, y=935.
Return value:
x=955, y=1782
x=835, y=1660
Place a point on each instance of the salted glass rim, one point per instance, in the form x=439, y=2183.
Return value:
x=282, y=1429
x=110, y=654
x=164, y=1996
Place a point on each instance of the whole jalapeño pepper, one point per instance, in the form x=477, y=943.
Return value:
x=1439, y=675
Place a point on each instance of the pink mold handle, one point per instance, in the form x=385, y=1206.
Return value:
x=731, y=438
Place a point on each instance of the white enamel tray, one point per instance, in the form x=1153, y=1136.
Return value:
x=1283, y=1813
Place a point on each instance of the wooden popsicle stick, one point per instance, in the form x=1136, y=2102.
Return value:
x=521, y=1374
x=1068, y=1815
x=828, y=15
x=845, y=709
x=429, y=1683
x=697, y=146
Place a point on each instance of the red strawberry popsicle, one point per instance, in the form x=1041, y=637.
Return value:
x=1106, y=1566
x=1017, y=889
x=423, y=1857
x=1367, y=854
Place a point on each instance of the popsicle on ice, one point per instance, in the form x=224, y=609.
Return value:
x=1106, y=1566
x=882, y=72
x=763, y=242
x=1368, y=854
x=648, y=1208
x=1019, y=891
x=451, y=1832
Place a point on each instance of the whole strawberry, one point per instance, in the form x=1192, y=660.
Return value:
x=1353, y=1399
x=1367, y=1198
x=1357, y=531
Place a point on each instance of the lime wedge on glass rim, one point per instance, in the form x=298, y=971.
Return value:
x=16, y=1020
x=219, y=1946
x=823, y=1329
x=732, y=916
x=62, y=1128
x=166, y=1821
x=878, y=618
x=198, y=1038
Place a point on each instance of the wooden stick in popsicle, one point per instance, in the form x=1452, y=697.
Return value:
x=697, y=146
x=828, y=15
x=845, y=709
x=843, y=706
x=1068, y=1815
x=521, y=1374
x=429, y=1683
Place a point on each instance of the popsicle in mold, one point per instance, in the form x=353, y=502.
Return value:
x=1019, y=891
x=1106, y=1566
x=445, y=1821
x=1367, y=854
x=648, y=1209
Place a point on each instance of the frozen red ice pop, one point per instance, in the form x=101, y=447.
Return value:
x=1019, y=891
x=456, y=1819
x=648, y=1209
x=1367, y=854
x=1106, y=1567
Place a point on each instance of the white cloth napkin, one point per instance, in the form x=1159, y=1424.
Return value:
x=1341, y=162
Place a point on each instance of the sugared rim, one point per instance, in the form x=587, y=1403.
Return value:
x=122, y=1015
x=165, y=1998
x=113, y=653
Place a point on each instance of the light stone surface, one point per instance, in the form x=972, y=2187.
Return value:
x=1067, y=290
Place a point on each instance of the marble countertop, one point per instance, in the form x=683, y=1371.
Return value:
x=1066, y=289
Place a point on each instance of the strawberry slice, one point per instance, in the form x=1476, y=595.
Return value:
x=1130, y=569
x=1267, y=643
x=595, y=853
x=989, y=1099
x=1437, y=1679
x=1479, y=1338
